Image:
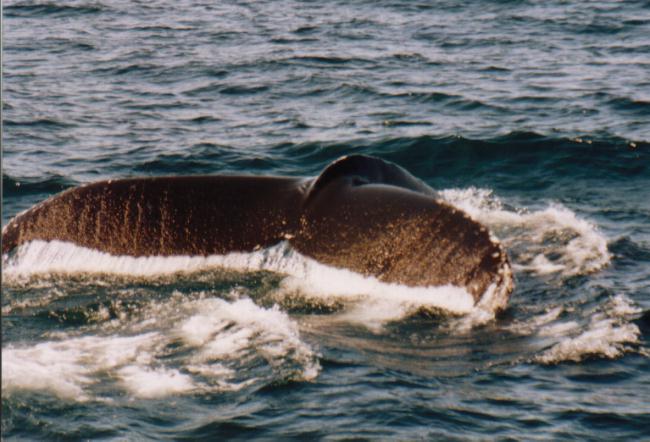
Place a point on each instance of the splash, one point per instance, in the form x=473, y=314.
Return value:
x=609, y=334
x=68, y=367
x=553, y=240
x=373, y=300
x=175, y=347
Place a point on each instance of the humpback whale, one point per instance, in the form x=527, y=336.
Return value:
x=361, y=213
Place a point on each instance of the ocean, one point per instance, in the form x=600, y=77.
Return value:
x=531, y=116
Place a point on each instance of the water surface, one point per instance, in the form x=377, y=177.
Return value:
x=531, y=116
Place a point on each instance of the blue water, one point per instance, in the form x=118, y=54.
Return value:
x=532, y=116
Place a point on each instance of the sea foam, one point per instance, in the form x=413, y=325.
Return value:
x=609, y=333
x=551, y=240
x=377, y=301
x=178, y=346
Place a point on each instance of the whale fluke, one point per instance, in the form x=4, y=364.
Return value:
x=361, y=213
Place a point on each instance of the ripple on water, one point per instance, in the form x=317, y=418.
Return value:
x=532, y=116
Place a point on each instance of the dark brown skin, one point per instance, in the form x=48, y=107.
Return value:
x=198, y=215
x=398, y=235
x=361, y=213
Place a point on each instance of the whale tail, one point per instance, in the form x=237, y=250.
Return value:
x=361, y=213
x=374, y=218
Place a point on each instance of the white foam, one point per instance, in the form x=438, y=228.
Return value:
x=146, y=382
x=608, y=334
x=269, y=331
x=151, y=364
x=559, y=329
x=386, y=306
x=533, y=324
x=65, y=368
x=546, y=241
x=495, y=298
x=305, y=275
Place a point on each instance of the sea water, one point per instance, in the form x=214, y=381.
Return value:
x=531, y=116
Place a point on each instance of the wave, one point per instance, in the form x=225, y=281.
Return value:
x=12, y=186
x=546, y=241
x=200, y=345
x=440, y=161
x=51, y=9
x=445, y=159
x=39, y=123
x=608, y=330
x=609, y=334
x=636, y=105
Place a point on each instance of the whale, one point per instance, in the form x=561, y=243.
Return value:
x=361, y=214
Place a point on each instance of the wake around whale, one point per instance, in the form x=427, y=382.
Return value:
x=361, y=213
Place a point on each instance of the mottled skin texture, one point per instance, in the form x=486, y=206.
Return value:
x=398, y=235
x=198, y=215
x=361, y=214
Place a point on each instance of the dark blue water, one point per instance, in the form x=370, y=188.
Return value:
x=534, y=117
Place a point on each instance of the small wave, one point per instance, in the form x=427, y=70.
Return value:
x=201, y=345
x=325, y=60
x=53, y=294
x=204, y=119
x=13, y=186
x=644, y=323
x=40, y=123
x=50, y=9
x=134, y=69
x=533, y=325
x=400, y=123
x=546, y=241
x=220, y=88
x=428, y=97
x=556, y=157
x=609, y=331
x=243, y=89
x=161, y=28
x=628, y=104
x=200, y=158
x=609, y=334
